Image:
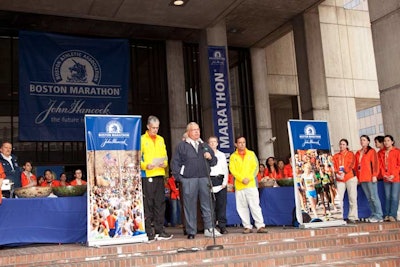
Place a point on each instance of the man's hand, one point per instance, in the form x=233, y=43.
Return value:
x=207, y=155
x=245, y=181
x=150, y=166
x=162, y=165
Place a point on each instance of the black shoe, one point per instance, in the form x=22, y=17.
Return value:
x=150, y=237
x=190, y=236
x=164, y=236
x=223, y=230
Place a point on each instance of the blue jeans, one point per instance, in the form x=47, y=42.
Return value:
x=392, y=198
x=176, y=212
x=371, y=192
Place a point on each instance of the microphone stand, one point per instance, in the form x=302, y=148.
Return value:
x=212, y=199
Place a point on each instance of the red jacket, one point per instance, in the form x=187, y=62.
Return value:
x=288, y=171
x=389, y=164
x=347, y=160
x=174, y=191
x=366, y=166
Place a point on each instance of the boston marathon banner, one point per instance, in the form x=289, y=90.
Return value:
x=221, y=105
x=317, y=203
x=62, y=78
x=115, y=198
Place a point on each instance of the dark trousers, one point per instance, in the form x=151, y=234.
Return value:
x=154, y=204
x=220, y=202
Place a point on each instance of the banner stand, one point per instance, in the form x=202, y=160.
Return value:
x=115, y=196
x=314, y=179
x=322, y=224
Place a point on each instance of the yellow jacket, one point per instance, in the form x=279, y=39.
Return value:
x=151, y=150
x=241, y=168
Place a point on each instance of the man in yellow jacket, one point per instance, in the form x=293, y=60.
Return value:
x=243, y=165
x=154, y=160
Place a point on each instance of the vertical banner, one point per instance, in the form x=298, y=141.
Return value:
x=62, y=78
x=221, y=105
x=115, y=199
x=317, y=203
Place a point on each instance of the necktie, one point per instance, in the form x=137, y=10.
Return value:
x=196, y=146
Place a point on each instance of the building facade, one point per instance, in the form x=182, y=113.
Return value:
x=319, y=64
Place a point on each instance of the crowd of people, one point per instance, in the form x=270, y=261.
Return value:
x=200, y=176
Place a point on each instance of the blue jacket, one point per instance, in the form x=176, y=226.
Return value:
x=13, y=174
x=190, y=163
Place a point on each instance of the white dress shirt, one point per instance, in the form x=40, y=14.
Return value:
x=221, y=167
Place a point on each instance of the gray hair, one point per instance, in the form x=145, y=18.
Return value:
x=152, y=119
x=190, y=125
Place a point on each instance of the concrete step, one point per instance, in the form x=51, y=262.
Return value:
x=296, y=246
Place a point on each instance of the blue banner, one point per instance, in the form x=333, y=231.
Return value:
x=62, y=78
x=113, y=171
x=309, y=134
x=112, y=132
x=221, y=106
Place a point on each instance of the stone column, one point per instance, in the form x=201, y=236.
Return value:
x=212, y=36
x=261, y=101
x=176, y=91
x=315, y=60
x=385, y=24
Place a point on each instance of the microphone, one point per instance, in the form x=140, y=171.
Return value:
x=205, y=148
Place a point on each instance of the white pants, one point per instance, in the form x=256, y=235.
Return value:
x=351, y=186
x=245, y=199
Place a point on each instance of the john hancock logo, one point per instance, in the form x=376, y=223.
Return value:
x=310, y=136
x=76, y=67
x=114, y=134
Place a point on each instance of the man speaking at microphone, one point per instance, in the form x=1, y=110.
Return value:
x=191, y=166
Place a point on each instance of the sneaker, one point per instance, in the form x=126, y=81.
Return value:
x=209, y=232
x=351, y=221
x=375, y=220
x=262, y=230
x=223, y=231
x=247, y=231
x=392, y=219
x=164, y=236
x=386, y=219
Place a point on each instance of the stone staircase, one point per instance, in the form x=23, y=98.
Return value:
x=363, y=244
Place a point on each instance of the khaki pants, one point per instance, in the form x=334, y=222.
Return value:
x=351, y=187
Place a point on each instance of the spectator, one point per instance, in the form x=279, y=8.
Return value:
x=378, y=140
x=389, y=162
x=49, y=179
x=175, y=202
x=63, y=179
x=153, y=164
x=219, y=178
x=344, y=163
x=28, y=179
x=2, y=176
x=78, y=178
x=10, y=164
x=367, y=169
x=40, y=180
x=243, y=165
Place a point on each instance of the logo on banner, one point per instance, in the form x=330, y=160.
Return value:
x=114, y=134
x=310, y=136
x=76, y=67
x=217, y=58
